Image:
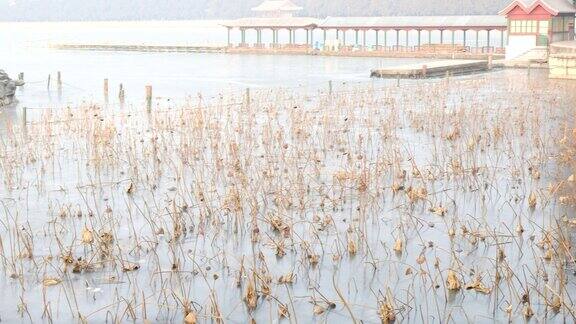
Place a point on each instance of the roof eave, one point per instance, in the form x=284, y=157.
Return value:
x=509, y=8
x=529, y=9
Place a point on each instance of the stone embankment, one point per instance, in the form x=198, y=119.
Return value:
x=7, y=89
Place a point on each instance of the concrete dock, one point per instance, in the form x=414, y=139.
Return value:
x=562, y=60
x=432, y=69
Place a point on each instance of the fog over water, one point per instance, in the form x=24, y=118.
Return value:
x=24, y=48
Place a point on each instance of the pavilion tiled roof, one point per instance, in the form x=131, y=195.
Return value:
x=554, y=6
x=285, y=22
x=414, y=22
x=405, y=22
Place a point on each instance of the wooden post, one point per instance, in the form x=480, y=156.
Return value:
x=121, y=93
x=398, y=79
x=59, y=83
x=106, y=90
x=247, y=97
x=24, y=118
x=148, y=98
x=424, y=70
x=48, y=85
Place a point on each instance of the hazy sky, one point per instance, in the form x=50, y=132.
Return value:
x=17, y=10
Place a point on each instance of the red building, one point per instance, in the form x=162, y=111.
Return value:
x=537, y=23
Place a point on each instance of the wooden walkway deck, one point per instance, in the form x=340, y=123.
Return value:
x=141, y=48
x=432, y=69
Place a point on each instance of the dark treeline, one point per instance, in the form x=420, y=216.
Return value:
x=41, y=10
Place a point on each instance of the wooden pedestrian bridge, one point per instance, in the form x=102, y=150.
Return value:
x=141, y=48
x=410, y=36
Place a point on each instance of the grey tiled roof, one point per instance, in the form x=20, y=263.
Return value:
x=415, y=22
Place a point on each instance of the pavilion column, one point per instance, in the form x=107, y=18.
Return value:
x=307, y=36
x=385, y=38
x=229, y=42
x=429, y=36
x=441, y=36
x=502, y=38
x=243, y=36
x=261, y=41
x=258, y=35
x=488, y=40
x=419, y=38
x=290, y=32
x=344, y=37
x=377, y=32
x=312, y=37
x=464, y=42
x=364, y=39
x=407, y=32
x=397, y=39
x=357, y=41
x=453, y=39
x=324, y=31
x=477, y=34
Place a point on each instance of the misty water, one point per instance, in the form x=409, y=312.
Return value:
x=24, y=48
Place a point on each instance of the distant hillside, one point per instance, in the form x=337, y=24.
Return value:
x=54, y=10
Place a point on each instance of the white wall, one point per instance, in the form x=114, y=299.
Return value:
x=519, y=44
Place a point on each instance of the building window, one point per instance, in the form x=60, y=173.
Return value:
x=558, y=25
x=543, y=27
x=523, y=26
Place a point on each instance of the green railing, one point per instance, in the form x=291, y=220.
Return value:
x=542, y=40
